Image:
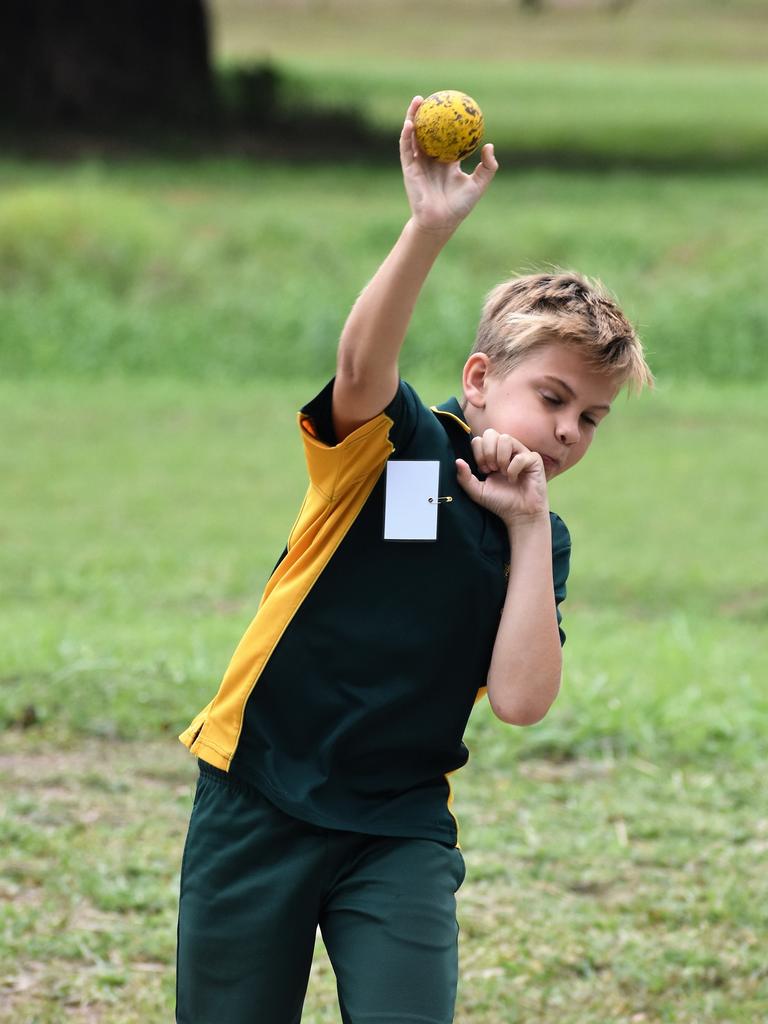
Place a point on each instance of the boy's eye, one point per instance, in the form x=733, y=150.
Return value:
x=555, y=400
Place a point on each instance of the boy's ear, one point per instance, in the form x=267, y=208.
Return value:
x=474, y=379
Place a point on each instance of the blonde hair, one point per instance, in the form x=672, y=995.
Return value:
x=526, y=313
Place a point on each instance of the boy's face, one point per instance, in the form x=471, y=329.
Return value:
x=552, y=402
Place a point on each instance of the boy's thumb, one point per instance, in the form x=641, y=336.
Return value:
x=464, y=475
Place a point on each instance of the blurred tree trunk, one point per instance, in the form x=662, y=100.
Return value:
x=105, y=64
x=532, y=6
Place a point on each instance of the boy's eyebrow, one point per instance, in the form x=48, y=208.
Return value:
x=571, y=392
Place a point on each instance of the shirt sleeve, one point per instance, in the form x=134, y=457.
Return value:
x=404, y=410
x=561, y=560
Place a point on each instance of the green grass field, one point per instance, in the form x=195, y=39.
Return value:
x=160, y=324
x=651, y=32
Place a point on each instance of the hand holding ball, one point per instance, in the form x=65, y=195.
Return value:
x=448, y=125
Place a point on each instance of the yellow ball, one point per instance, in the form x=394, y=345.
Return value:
x=449, y=125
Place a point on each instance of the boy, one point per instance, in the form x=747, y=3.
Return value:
x=424, y=569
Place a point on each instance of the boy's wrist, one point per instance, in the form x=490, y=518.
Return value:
x=431, y=235
x=526, y=524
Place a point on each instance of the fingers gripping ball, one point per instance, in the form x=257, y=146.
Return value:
x=449, y=125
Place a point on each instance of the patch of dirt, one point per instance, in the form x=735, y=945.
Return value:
x=33, y=763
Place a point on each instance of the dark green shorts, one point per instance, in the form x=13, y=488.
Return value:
x=255, y=885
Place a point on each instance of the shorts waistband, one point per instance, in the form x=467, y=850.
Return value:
x=227, y=778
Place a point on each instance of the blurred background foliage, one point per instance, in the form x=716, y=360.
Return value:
x=632, y=139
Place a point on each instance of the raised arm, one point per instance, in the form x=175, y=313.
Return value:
x=440, y=197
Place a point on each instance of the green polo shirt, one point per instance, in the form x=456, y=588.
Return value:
x=361, y=678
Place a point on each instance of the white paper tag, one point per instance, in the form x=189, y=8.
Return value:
x=408, y=512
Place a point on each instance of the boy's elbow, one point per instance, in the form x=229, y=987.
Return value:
x=519, y=715
x=521, y=711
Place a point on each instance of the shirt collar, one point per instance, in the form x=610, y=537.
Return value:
x=452, y=409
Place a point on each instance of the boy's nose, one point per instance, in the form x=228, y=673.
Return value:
x=568, y=433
